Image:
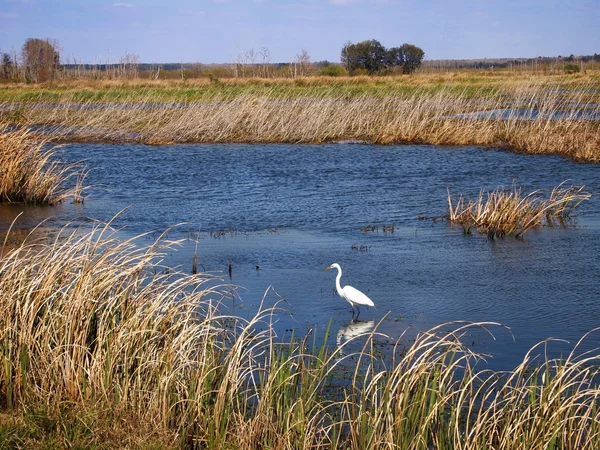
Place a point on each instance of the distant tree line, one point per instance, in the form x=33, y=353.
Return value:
x=40, y=61
x=539, y=64
x=372, y=57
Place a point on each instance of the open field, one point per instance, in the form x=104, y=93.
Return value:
x=539, y=114
x=90, y=323
x=196, y=88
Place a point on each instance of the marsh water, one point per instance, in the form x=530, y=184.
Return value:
x=282, y=213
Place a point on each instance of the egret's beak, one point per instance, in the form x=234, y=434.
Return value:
x=327, y=268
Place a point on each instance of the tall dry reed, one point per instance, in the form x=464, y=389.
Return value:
x=506, y=212
x=29, y=171
x=91, y=321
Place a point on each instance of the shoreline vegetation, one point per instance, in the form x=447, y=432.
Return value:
x=30, y=173
x=95, y=336
x=539, y=114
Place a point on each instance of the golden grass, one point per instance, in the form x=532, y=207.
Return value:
x=436, y=110
x=92, y=323
x=29, y=172
x=80, y=187
x=447, y=78
x=508, y=212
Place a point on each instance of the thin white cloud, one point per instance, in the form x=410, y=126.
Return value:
x=123, y=5
x=8, y=15
x=342, y=2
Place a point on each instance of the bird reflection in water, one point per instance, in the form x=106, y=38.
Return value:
x=353, y=329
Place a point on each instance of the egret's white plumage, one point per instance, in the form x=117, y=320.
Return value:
x=348, y=293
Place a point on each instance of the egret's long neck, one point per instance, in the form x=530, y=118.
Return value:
x=337, y=282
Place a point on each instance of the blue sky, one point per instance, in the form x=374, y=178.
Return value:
x=215, y=30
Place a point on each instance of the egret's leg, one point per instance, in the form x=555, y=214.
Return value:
x=358, y=309
x=352, y=310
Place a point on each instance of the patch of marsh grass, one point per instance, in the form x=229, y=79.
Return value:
x=506, y=212
x=71, y=426
x=535, y=116
x=80, y=187
x=29, y=171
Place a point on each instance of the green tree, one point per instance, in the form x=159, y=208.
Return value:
x=374, y=57
x=413, y=56
x=368, y=55
x=7, y=65
x=41, y=59
x=394, y=57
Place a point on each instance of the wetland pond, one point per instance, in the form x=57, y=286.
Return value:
x=282, y=213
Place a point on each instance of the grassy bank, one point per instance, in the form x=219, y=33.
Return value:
x=543, y=114
x=95, y=337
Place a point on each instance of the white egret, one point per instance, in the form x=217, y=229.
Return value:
x=350, y=294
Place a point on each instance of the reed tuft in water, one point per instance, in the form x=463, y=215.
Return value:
x=506, y=212
x=29, y=171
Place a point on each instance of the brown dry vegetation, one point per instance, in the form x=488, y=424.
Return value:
x=508, y=212
x=29, y=172
x=426, y=109
x=452, y=78
x=89, y=323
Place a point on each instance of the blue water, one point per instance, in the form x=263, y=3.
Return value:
x=293, y=210
x=590, y=113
